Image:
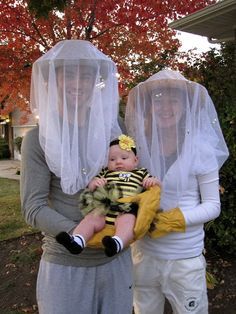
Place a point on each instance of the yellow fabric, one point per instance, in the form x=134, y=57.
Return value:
x=165, y=222
x=96, y=241
x=148, y=202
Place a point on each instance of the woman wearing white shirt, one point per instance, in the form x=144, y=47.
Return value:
x=179, y=139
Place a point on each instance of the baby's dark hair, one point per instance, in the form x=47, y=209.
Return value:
x=117, y=142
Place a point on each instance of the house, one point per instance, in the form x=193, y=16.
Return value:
x=217, y=22
x=12, y=128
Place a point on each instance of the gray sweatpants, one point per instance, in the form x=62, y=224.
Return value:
x=103, y=289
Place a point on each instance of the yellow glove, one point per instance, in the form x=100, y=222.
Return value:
x=166, y=222
x=148, y=203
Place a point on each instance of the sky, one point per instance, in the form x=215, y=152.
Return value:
x=190, y=41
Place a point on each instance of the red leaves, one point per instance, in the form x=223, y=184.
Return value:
x=130, y=31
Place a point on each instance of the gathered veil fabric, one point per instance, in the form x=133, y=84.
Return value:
x=176, y=128
x=74, y=91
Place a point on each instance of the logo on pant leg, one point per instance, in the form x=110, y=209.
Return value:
x=191, y=304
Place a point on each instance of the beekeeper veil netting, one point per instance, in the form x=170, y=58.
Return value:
x=74, y=91
x=176, y=129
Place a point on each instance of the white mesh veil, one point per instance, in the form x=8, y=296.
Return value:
x=176, y=129
x=74, y=91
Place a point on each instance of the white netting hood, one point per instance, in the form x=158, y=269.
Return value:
x=176, y=128
x=74, y=91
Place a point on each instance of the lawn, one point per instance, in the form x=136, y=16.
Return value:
x=12, y=224
x=20, y=252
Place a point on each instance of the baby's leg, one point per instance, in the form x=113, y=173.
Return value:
x=123, y=236
x=91, y=224
x=83, y=232
x=125, y=228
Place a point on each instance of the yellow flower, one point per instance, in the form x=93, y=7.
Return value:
x=126, y=142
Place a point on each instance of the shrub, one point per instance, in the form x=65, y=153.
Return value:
x=216, y=71
x=4, y=149
x=18, y=142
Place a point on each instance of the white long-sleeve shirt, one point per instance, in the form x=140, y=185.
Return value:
x=199, y=204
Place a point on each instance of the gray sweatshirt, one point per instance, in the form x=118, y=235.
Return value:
x=46, y=207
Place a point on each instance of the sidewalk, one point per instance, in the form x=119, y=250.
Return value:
x=8, y=169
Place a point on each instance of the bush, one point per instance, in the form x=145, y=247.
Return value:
x=18, y=142
x=4, y=149
x=216, y=71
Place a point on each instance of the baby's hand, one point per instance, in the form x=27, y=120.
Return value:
x=96, y=182
x=151, y=181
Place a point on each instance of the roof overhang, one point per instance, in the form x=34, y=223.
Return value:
x=217, y=22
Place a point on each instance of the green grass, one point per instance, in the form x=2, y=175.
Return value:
x=12, y=223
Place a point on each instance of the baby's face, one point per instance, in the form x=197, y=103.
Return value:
x=121, y=160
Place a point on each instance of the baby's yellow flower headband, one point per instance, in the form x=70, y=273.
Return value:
x=125, y=142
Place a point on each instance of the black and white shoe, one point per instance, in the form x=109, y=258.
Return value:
x=69, y=243
x=112, y=246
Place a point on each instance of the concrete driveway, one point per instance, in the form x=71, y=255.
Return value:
x=8, y=169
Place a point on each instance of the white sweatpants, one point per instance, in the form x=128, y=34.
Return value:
x=182, y=282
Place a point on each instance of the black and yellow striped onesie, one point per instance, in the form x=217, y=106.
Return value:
x=129, y=182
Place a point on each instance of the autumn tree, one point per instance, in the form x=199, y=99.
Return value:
x=134, y=33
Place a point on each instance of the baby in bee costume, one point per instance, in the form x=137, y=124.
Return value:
x=118, y=205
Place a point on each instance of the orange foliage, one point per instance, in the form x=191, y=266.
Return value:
x=129, y=31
